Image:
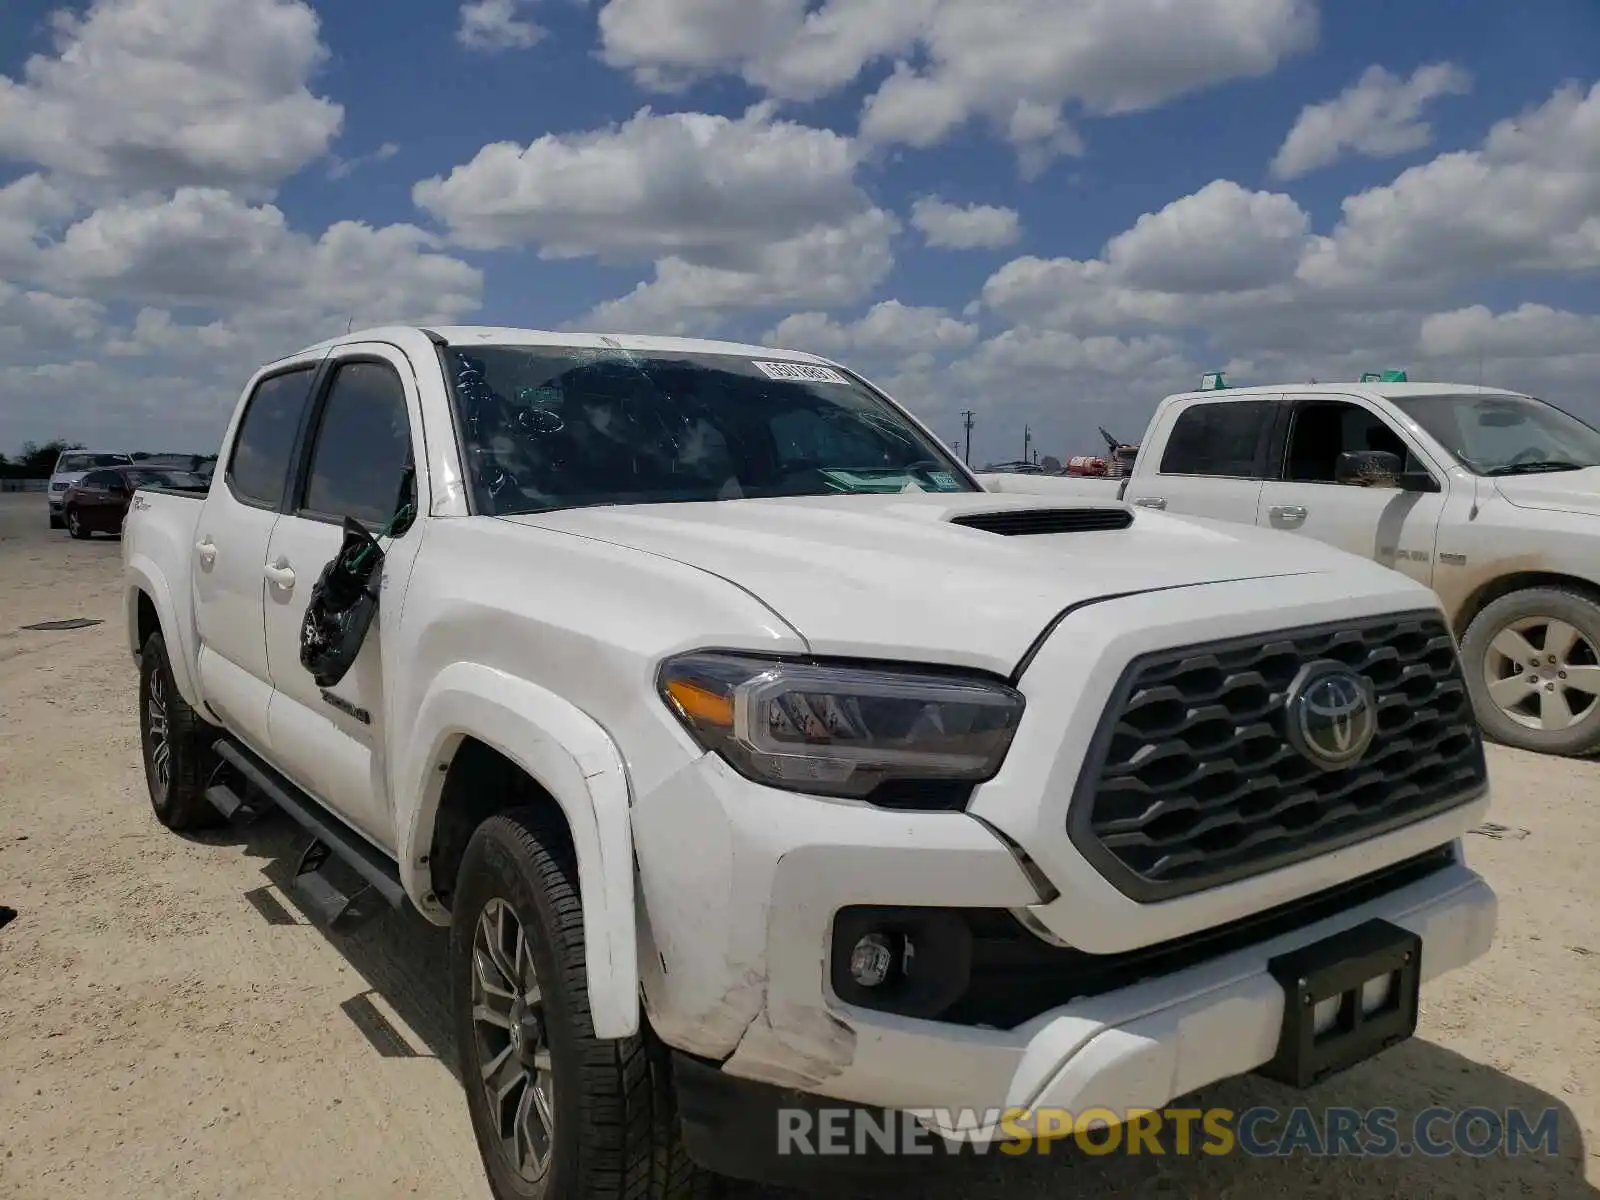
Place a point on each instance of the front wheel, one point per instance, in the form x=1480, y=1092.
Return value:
x=1533, y=668
x=557, y=1112
x=75, y=525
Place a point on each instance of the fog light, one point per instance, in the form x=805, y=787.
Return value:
x=871, y=960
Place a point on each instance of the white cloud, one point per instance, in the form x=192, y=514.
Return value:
x=343, y=168
x=1220, y=239
x=702, y=187
x=735, y=213
x=30, y=208
x=33, y=319
x=889, y=330
x=785, y=47
x=1530, y=331
x=160, y=93
x=218, y=286
x=208, y=248
x=1378, y=116
x=491, y=25
x=1016, y=62
x=825, y=265
x=1527, y=200
x=970, y=227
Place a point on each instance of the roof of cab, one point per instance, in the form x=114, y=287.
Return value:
x=466, y=335
x=1389, y=391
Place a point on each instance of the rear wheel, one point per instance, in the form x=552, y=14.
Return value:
x=56, y=520
x=75, y=525
x=557, y=1112
x=178, y=759
x=1533, y=667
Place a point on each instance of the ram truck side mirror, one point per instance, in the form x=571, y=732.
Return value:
x=1382, y=469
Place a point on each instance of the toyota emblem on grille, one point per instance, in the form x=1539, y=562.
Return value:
x=1332, y=714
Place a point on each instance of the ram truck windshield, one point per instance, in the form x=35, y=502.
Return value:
x=1505, y=434
x=565, y=427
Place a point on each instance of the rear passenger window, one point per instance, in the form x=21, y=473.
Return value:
x=363, y=446
x=259, y=468
x=1221, y=439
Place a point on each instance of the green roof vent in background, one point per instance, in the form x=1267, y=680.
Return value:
x=1213, y=381
x=1384, y=377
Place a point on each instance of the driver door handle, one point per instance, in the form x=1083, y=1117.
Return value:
x=280, y=574
x=1291, y=514
x=207, y=550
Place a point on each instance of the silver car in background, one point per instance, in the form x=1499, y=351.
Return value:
x=72, y=466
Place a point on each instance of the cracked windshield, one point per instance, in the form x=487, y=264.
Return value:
x=551, y=428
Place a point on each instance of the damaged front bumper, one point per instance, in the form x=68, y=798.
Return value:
x=751, y=896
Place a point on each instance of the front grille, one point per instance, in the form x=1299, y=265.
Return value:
x=1017, y=523
x=1191, y=781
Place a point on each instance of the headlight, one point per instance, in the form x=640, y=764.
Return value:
x=843, y=730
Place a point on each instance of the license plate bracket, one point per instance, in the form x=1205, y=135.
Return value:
x=1340, y=968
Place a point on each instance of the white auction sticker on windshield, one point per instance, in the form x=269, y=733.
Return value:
x=800, y=372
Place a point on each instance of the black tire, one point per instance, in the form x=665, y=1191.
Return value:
x=1485, y=666
x=57, y=521
x=179, y=796
x=76, y=527
x=616, y=1132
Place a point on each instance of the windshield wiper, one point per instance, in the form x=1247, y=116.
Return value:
x=1534, y=468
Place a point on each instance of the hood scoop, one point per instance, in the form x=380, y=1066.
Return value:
x=1024, y=521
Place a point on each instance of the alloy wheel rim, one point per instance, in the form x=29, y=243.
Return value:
x=1544, y=674
x=160, y=747
x=512, y=1041
x=72, y=522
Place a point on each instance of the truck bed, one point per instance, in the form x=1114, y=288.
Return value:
x=158, y=538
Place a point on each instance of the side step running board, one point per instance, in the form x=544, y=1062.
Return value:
x=331, y=840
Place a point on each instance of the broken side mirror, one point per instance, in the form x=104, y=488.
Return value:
x=1380, y=468
x=1368, y=468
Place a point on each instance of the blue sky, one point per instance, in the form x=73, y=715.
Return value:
x=1050, y=211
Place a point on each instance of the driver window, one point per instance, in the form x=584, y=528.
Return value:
x=363, y=446
x=1320, y=431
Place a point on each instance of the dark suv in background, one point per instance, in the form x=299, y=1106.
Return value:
x=99, y=501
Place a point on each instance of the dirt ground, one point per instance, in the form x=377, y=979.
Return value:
x=172, y=1026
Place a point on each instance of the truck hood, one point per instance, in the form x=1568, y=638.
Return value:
x=890, y=576
x=1558, y=491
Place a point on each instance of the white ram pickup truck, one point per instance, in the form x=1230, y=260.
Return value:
x=758, y=760
x=1489, y=497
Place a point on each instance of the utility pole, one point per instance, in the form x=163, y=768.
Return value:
x=1027, y=440
x=966, y=446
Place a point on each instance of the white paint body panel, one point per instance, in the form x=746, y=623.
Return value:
x=710, y=897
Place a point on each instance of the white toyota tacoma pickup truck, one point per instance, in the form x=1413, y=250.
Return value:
x=1489, y=497
x=757, y=758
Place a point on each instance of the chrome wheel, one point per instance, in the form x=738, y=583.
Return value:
x=158, y=746
x=513, y=1049
x=74, y=526
x=1543, y=673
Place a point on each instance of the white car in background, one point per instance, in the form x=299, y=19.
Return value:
x=1489, y=497
x=71, y=466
